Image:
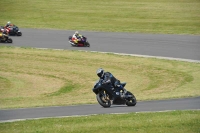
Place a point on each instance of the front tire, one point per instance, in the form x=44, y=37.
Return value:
x=103, y=99
x=87, y=44
x=9, y=40
x=130, y=101
x=19, y=34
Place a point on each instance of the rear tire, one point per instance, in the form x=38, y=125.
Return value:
x=130, y=101
x=103, y=99
x=70, y=38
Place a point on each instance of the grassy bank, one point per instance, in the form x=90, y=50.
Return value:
x=32, y=77
x=162, y=122
x=141, y=16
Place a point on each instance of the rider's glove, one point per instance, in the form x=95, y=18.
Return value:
x=106, y=82
x=118, y=85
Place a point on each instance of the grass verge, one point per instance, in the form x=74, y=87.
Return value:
x=141, y=16
x=160, y=122
x=33, y=77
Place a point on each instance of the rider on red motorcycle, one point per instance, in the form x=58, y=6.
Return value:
x=76, y=37
x=3, y=30
x=9, y=24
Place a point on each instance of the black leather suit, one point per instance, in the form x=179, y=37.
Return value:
x=109, y=78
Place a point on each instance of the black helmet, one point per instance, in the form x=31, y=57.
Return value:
x=100, y=72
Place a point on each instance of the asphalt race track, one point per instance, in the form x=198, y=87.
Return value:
x=173, y=46
x=181, y=47
x=48, y=112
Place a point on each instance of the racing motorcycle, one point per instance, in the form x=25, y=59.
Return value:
x=107, y=95
x=5, y=38
x=3, y=30
x=14, y=31
x=82, y=42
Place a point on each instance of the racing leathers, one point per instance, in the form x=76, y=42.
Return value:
x=8, y=25
x=76, y=38
x=109, y=78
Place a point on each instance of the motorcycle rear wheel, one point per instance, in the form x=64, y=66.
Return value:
x=103, y=99
x=130, y=101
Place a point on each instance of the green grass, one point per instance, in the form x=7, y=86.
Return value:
x=141, y=16
x=160, y=122
x=34, y=77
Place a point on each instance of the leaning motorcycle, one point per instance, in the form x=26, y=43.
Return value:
x=82, y=42
x=14, y=31
x=106, y=95
x=5, y=38
x=4, y=30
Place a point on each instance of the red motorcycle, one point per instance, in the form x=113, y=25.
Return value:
x=82, y=42
x=13, y=30
x=4, y=30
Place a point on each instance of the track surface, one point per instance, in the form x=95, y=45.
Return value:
x=162, y=105
x=173, y=46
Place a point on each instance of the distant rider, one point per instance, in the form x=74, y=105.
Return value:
x=3, y=30
x=8, y=24
x=107, y=78
x=2, y=35
x=76, y=37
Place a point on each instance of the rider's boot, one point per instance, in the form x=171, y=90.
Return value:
x=124, y=90
x=76, y=42
x=123, y=94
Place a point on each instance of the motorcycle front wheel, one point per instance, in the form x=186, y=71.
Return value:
x=87, y=44
x=19, y=33
x=103, y=99
x=9, y=40
x=131, y=99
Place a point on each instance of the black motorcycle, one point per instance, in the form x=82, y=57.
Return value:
x=5, y=38
x=105, y=93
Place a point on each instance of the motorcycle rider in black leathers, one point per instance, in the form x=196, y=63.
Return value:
x=107, y=78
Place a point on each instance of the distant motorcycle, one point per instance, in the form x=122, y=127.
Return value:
x=4, y=30
x=105, y=93
x=82, y=42
x=14, y=31
x=5, y=38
